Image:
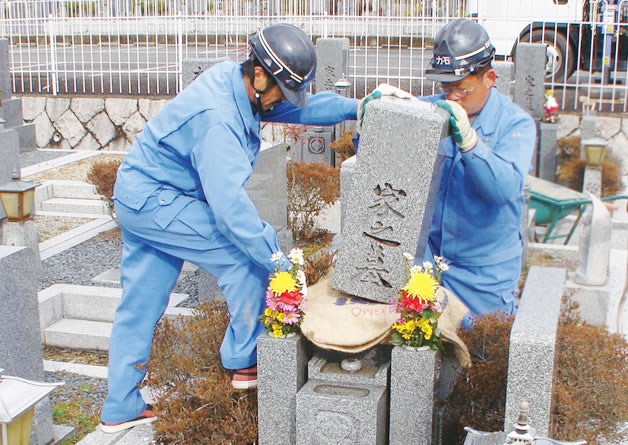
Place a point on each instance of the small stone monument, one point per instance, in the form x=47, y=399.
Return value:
x=11, y=107
x=530, y=85
x=595, y=245
x=391, y=201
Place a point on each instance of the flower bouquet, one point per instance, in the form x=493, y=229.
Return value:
x=419, y=306
x=285, y=296
x=550, y=108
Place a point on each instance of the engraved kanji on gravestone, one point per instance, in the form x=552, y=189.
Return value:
x=387, y=207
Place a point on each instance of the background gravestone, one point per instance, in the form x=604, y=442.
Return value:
x=505, y=77
x=20, y=337
x=192, y=68
x=11, y=107
x=530, y=85
x=332, y=61
x=391, y=201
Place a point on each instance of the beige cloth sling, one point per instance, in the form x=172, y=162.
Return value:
x=338, y=321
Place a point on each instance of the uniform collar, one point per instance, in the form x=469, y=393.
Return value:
x=486, y=119
x=251, y=121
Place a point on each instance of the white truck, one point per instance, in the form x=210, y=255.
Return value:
x=589, y=35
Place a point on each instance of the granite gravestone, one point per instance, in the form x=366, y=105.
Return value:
x=20, y=337
x=530, y=85
x=393, y=192
x=11, y=107
x=332, y=61
x=9, y=153
x=505, y=77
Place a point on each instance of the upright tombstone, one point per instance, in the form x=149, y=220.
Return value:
x=9, y=152
x=392, y=197
x=332, y=61
x=20, y=337
x=192, y=68
x=530, y=84
x=595, y=245
x=547, y=151
x=11, y=107
x=505, y=77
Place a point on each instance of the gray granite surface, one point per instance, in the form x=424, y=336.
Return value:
x=391, y=201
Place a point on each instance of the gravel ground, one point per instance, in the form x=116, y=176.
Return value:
x=77, y=171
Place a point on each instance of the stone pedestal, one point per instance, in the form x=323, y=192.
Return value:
x=413, y=378
x=282, y=371
x=547, y=151
x=341, y=406
x=313, y=146
x=20, y=338
x=592, y=181
x=23, y=234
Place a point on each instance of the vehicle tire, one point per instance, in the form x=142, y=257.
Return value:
x=561, y=57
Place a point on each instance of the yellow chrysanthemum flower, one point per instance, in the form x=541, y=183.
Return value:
x=421, y=285
x=267, y=312
x=281, y=316
x=282, y=282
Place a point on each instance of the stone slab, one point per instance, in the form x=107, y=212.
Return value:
x=79, y=334
x=313, y=146
x=282, y=371
x=9, y=154
x=192, y=68
x=374, y=370
x=334, y=413
x=592, y=181
x=547, y=151
x=505, y=77
x=413, y=378
x=533, y=341
x=332, y=61
x=530, y=78
x=391, y=202
x=11, y=111
x=268, y=185
x=20, y=341
x=6, y=88
x=28, y=137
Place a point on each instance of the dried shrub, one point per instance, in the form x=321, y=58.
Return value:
x=197, y=404
x=590, y=395
x=103, y=176
x=343, y=146
x=311, y=188
x=317, y=265
x=478, y=398
x=571, y=168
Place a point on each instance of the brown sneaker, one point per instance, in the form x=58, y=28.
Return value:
x=147, y=416
x=245, y=378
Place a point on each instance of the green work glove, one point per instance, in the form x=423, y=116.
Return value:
x=461, y=130
x=382, y=90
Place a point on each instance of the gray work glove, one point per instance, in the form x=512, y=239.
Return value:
x=461, y=129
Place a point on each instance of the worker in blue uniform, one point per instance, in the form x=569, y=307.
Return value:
x=476, y=225
x=180, y=195
x=477, y=219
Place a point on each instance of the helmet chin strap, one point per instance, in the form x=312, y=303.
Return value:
x=258, y=104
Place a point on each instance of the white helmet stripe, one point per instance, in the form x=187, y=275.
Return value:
x=277, y=60
x=472, y=53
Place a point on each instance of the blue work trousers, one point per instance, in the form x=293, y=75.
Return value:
x=152, y=258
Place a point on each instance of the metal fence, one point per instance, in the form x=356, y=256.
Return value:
x=137, y=46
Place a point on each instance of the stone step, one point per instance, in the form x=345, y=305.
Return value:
x=93, y=303
x=79, y=334
x=74, y=205
x=73, y=189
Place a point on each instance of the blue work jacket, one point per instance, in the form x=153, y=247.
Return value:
x=477, y=219
x=203, y=145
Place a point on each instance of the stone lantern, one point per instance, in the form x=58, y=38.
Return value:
x=17, y=198
x=18, y=398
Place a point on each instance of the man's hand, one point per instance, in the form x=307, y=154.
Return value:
x=461, y=130
x=383, y=90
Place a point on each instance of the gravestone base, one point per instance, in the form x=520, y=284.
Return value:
x=413, y=377
x=547, y=151
x=23, y=234
x=282, y=371
x=343, y=414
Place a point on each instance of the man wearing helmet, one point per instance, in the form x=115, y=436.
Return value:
x=477, y=219
x=180, y=195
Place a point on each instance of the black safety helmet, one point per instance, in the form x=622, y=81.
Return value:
x=287, y=54
x=461, y=48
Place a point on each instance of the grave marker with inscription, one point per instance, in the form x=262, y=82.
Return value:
x=391, y=202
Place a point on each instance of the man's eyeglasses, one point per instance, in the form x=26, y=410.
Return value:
x=460, y=93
